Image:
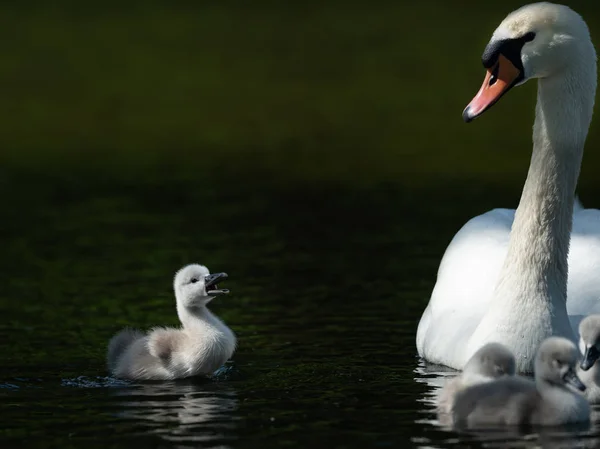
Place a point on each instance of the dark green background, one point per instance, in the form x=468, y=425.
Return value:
x=310, y=90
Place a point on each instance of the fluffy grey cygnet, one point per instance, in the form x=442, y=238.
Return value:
x=518, y=401
x=589, y=344
x=490, y=362
x=201, y=346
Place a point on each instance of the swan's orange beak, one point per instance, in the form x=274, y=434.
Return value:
x=498, y=80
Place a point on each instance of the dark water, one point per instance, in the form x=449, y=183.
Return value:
x=328, y=283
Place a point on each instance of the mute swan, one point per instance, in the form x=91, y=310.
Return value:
x=518, y=401
x=201, y=346
x=504, y=275
x=490, y=362
x=589, y=344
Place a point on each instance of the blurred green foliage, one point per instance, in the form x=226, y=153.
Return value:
x=349, y=91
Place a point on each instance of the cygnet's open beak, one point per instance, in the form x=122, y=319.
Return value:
x=571, y=378
x=210, y=283
x=589, y=358
x=498, y=80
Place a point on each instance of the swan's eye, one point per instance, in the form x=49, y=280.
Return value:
x=559, y=364
x=194, y=280
x=494, y=75
x=528, y=37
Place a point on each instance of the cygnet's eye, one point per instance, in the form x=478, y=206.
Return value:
x=559, y=363
x=194, y=280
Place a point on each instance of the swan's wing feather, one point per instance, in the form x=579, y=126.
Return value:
x=119, y=343
x=162, y=342
x=465, y=282
x=583, y=291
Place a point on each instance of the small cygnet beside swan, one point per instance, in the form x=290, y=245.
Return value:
x=518, y=401
x=201, y=346
x=507, y=274
x=589, y=345
x=492, y=361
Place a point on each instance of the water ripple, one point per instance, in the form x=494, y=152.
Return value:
x=94, y=382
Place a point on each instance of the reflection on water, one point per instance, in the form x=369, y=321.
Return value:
x=434, y=376
x=183, y=412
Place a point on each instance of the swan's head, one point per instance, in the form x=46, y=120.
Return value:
x=491, y=360
x=536, y=41
x=556, y=362
x=194, y=285
x=589, y=341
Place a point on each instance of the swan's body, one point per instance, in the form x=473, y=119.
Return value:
x=490, y=362
x=201, y=346
x=506, y=275
x=518, y=401
x=589, y=344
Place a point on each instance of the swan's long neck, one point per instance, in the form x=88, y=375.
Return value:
x=536, y=268
x=197, y=316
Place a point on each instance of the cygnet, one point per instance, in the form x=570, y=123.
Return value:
x=518, y=401
x=201, y=346
x=589, y=344
x=490, y=362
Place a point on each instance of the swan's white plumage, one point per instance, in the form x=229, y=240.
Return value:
x=469, y=272
x=479, y=296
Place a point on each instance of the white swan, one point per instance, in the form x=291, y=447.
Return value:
x=510, y=286
x=201, y=346
x=518, y=401
x=492, y=361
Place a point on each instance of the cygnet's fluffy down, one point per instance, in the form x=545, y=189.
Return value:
x=490, y=362
x=589, y=345
x=201, y=346
x=518, y=401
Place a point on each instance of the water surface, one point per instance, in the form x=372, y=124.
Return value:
x=328, y=283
